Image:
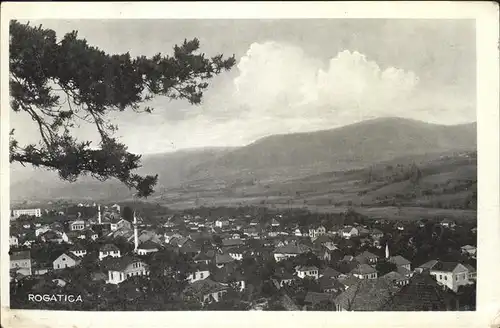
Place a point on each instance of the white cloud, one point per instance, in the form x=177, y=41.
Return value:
x=278, y=88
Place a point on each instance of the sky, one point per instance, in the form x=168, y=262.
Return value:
x=291, y=76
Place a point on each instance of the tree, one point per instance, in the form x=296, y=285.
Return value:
x=128, y=214
x=61, y=84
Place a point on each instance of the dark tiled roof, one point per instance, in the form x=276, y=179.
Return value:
x=366, y=295
x=445, y=266
x=203, y=287
x=109, y=248
x=283, y=275
x=120, y=263
x=148, y=245
x=363, y=269
x=330, y=273
x=422, y=293
x=23, y=255
x=316, y=298
x=399, y=260
x=223, y=258
x=232, y=242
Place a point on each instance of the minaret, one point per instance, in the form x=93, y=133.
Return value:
x=136, y=236
x=99, y=214
x=387, y=250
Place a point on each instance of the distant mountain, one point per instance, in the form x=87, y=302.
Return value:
x=275, y=158
x=30, y=184
x=353, y=145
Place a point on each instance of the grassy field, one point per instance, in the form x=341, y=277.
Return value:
x=445, y=186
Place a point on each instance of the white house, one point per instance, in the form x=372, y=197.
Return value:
x=78, y=250
x=66, y=260
x=28, y=212
x=288, y=251
x=364, y=271
x=119, y=269
x=349, y=232
x=13, y=241
x=469, y=250
x=199, y=274
x=450, y=274
x=77, y=225
x=41, y=230
x=109, y=250
x=147, y=247
x=307, y=271
x=315, y=232
x=221, y=223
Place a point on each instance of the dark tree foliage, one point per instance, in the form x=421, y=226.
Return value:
x=61, y=84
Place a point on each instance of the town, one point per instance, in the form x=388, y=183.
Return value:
x=143, y=256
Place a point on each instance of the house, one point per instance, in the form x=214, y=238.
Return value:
x=288, y=251
x=77, y=225
x=420, y=224
x=252, y=232
x=13, y=241
x=275, y=223
x=400, y=261
x=426, y=267
x=399, y=226
x=421, y=293
x=330, y=273
x=116, y=207
x=447, y=223
x=451, y=274
x=119, y=223
x=204, y=257
x=238, y=253
x=282, y=277
x=229, y=276
x=469, y=250
x=232, y=242
x=367, y=258
x=41, y=230
x=200, y=272
x=147, y=247
x=121, y=268
x=307, y=271
x=472, y=272
x=78, y=250
x=190, y=248
x=222, y=259
x=330, y=285
x=109, y=250
x=205, y=291
x=254, y=222
x=54, y=236
x=66, y=260
x=396, y=278
x=36, y=212
x=366, y=295
x=314, y=299
x=169, y=235
x=20, y=262
x=315, y=232
x=364, y=271
x=222, y=223
x=349, y=232
x=376, y=234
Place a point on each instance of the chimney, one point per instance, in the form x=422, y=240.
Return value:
x=387, y=250
x=136, y=236
x=99, y=214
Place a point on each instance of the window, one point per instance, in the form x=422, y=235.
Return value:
x=445, y=278
x=201, y=275
x=440, y=277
